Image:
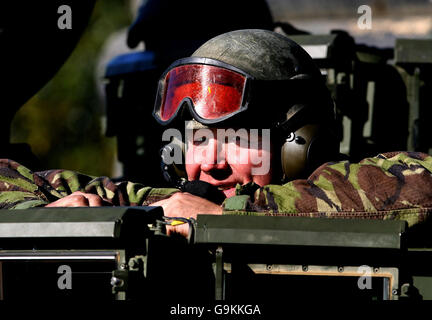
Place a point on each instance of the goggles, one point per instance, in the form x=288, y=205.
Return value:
x=213, y=90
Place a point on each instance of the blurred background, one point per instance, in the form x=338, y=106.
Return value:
x=391, y=19
x=65, y=122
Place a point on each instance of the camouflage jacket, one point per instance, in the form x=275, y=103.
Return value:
x=389, y=186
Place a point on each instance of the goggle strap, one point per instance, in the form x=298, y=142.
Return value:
x=295, y=121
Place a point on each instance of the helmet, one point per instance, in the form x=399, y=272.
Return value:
x=272, y=83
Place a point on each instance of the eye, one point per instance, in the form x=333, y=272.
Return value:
x=243, y=141
x=200, y=141
x=238, y=140
x=232, y=140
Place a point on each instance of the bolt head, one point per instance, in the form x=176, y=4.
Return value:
x=116, y=282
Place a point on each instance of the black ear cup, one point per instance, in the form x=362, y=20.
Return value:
x=306, y=149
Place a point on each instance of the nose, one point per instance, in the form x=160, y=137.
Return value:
x=215, y=157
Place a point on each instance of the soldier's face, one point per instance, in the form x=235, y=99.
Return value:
x=224, y=162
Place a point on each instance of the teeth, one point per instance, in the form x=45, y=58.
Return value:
x=224, y=188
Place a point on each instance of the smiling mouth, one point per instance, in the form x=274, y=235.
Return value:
x=226, y=187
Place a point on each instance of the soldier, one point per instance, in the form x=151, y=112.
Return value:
x=250, y=79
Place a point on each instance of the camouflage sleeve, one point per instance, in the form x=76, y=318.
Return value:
x=21, y=188
x=389, y=186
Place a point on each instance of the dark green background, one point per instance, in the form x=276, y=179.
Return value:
x=63, y=121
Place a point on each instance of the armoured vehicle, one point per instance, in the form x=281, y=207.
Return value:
x=121, y=253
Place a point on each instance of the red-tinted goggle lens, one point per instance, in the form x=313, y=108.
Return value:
x=215, y=92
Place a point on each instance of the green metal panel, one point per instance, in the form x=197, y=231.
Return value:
x=328, y=50
x=299, y=231
x=424, y=285
x=413, y=51
x=318, y=46
x=74, y=222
